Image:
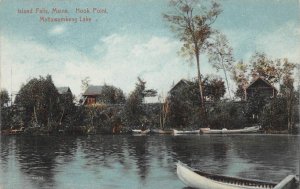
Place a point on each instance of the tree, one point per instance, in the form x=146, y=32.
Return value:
x=274, y=115
x=226, y=114
x=289, y=94
x=183, y=102
x=67, y=108
x=4, y=98
x=214, y=88
x=133, y=105
x=192, y=21
x=40, y=100
x=221, y=57
x=239, y=76
x=112, y=94
x=85, y=83
x=263, y=66
x=6, y=112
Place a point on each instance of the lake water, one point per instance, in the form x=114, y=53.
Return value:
x=133, y=162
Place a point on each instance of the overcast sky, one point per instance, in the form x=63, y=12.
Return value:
x=131, y=40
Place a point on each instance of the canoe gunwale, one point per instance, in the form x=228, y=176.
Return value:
x=228, y=180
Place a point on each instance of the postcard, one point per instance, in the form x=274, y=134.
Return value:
x=149, y=94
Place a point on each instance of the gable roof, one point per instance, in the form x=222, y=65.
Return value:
x=93, y=90
x=63, y=90
x=182, y=81
x=260, y=79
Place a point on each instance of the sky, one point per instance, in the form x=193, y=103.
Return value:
x=130, y=39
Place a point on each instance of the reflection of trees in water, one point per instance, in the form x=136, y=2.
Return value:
x=204, y=152
x=103, y=150
x=5, y=148
x=138, y=149
x=37, y=157
x=275, y=153
x=220, y=151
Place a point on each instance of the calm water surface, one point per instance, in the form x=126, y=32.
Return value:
x=133, y=162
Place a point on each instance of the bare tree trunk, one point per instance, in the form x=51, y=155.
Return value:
x=61, y=116
x=226, y=79
x=34, y=111
x=200, y=81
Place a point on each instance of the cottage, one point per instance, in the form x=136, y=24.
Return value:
x=261, y=86
x=92, y=95
x=180, y=85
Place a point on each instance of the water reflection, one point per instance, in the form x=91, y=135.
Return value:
x=125, y=161
x=37, y=157
x=138, y=149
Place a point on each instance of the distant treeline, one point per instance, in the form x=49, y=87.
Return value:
x=38, y=108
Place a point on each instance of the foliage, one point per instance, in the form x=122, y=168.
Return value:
x=214, y=88
x=254, y=107
x=274, y=115
x=39, y=100
x=274, y=71
x=85, y=83
x=226, y=114
x=221, y=56
x=183, y=102
x=112, y=95
x=67, y=109
x=4, y=98
x=239, y=76
x=133, y=109
x=191, y=20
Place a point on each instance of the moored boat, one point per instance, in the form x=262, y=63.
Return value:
x=161, y=131
x=139, y=131
x=179, y=132
x=198, y=179
x=253, y=129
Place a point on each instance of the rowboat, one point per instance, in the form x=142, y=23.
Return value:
x=139, y=131
x=160, y=131
x=253, y=129
x=198, y=179
x=177, y=132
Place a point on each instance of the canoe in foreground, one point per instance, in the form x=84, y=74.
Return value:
x=160, y=131
x=176, y=132
x=253, y=129
x=139, y=131
x=197, y=179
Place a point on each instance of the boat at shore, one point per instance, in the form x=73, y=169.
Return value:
x=161, y=131
x=253, y=129
x=179, y=132
x=139, y=131
x=198, y=179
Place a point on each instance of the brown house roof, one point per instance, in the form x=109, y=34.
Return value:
x=181, y=82
x=262, y=79
x=93, y=90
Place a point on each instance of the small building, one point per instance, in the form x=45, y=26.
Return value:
x=92, y=95
x=261, y=86
x=182, y=83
